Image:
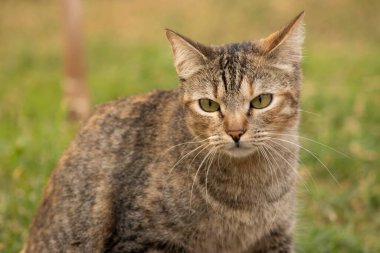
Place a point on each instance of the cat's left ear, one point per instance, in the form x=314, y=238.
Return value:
x=189, y=56
x=286, y=43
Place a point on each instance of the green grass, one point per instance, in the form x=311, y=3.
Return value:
x=341, y=99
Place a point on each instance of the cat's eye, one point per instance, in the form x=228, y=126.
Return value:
x=261, y=101
x=208, y=105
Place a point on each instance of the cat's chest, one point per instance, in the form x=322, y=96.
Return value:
x=233, y=233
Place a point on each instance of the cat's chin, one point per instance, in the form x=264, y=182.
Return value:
x=240, y=152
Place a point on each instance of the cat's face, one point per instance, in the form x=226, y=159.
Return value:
x=238, y=95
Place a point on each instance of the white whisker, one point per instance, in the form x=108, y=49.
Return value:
x=274, y=168
x=285, y=160
x=266, y=158
x=311, y=153
x=189, y=153
x=316, y=142
x=190, y=142
x=299, y=159
x=196, y=174
x=312, y=113
x=208, y=169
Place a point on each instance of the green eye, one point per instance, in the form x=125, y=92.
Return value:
x=261, y=101
x=208, y=105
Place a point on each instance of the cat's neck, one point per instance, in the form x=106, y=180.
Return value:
x=241, y=183
x=237, y=183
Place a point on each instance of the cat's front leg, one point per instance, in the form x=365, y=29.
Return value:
x=173, y=250
x=277, y=241
x=159, y=251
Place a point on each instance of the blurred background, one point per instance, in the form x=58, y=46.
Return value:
x=126, y=52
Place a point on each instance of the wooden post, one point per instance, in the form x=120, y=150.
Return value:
x=75, y=92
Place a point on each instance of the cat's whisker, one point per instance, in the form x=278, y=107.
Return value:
x=299, y=159
x=191, y=162
x=273, y=149
x=204, y=145
x=269, y=163
x=255, y=142
x=208, y=168
x=262, y=152
x=196, y=174
x=184, y=143
x=219, y=161
x=191, y=142
x=312, y=113
x=316, y=142
x=311, y=153
x=275, y=174
x=200, y=152
x=265, y=156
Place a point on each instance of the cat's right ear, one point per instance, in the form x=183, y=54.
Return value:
x=189, y=56
x=286, y=43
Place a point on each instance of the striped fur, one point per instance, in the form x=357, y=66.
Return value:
x=156, y=173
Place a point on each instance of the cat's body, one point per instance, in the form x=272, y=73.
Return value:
x=148, y=174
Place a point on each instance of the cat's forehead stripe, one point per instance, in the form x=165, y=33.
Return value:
x=232, y=68
x=223, y=73
x=215, y=90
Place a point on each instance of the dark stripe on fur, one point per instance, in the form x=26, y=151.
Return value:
x=222, y=68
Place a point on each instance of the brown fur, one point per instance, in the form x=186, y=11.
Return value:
x=155, y=173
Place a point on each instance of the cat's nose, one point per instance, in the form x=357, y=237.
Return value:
x=236, y=134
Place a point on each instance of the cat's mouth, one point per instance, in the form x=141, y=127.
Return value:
x=239, y=149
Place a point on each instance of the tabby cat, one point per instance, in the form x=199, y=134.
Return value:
x=208, y=167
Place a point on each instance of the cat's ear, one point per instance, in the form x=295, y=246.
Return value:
x=286, y=43
x=189, y=56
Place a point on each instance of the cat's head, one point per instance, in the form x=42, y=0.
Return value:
x=238, y=95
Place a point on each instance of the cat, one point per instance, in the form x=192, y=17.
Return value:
x=208, y=167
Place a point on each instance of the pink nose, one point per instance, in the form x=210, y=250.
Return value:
x=236, y=134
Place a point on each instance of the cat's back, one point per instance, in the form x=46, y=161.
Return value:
x=110, y=152
x=136, y=111
x=127, y=124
